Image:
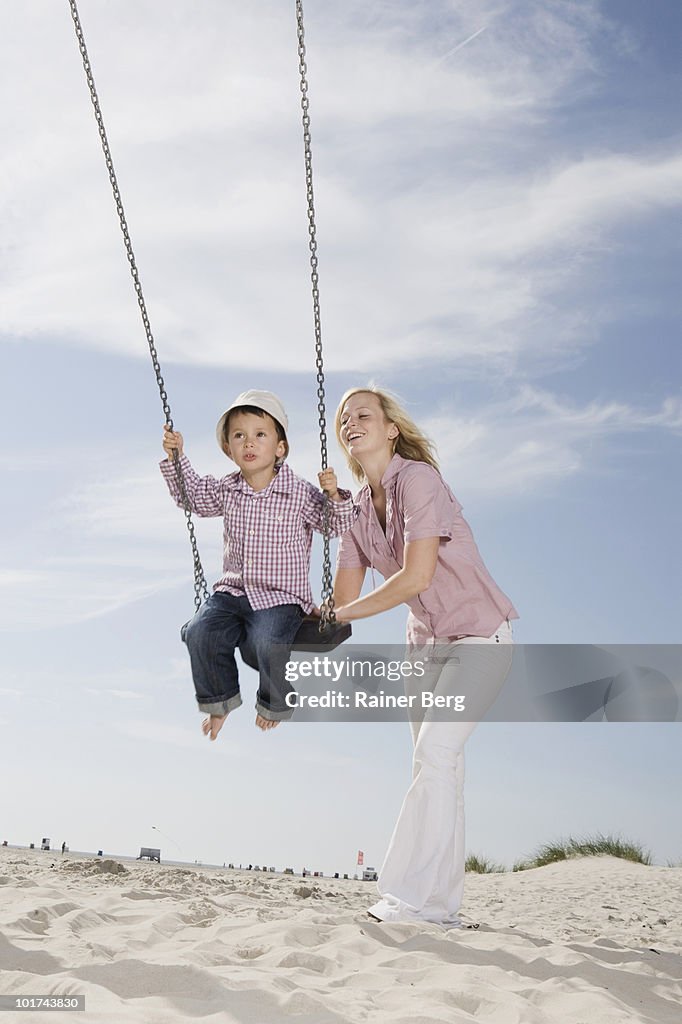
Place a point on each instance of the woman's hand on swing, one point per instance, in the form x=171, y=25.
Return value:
x=329, y=483
x=172, y=441
x=318, y=612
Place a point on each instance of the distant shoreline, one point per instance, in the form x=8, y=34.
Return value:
x=55, y=852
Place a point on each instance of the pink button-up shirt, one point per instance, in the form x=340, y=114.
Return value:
x=267, y=535
x=462, y=598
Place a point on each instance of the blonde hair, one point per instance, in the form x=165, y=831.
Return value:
x=411, y=443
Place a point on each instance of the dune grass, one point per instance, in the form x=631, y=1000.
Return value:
x=481, y=865
x=566, y=849
x=589, y=846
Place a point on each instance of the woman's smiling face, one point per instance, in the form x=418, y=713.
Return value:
x=364, y=428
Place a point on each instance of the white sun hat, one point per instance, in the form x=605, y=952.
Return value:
x=264, y=400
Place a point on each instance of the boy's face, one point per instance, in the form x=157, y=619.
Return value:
x=253, y=443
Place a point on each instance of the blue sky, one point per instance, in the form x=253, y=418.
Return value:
x=499, y=242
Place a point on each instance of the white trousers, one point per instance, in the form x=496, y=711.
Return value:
x=422, y=877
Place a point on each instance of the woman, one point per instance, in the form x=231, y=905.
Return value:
x=411, y=530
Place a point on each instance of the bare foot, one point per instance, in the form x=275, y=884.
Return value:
x=212, y=726
x=265, y=723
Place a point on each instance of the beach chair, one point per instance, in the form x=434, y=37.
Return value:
x=150, y=853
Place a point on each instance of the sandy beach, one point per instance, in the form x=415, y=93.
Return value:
x=588, y=941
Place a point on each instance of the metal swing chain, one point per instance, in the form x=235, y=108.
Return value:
x=200, y=588
x=328, y=613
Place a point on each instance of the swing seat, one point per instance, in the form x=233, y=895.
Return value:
x=311, y=638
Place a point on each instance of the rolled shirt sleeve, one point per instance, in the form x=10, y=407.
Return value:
x=428, y=504
x=350, y=555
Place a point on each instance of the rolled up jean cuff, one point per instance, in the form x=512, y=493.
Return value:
x=220, y=708
x=274, y=716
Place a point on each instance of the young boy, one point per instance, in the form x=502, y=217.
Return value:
x=269, y=514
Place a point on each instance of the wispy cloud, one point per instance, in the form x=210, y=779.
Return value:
x=124, y=685
x=595, y=418
x=431, y=242
x=460, y=46
x=66, y=596
x=137, y=504
x=527, y=442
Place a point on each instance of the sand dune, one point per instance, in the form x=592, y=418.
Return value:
x=590, y=941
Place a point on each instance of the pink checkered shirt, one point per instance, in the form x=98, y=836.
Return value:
x=267, y=535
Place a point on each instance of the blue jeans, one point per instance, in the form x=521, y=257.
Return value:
x=223, y=624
